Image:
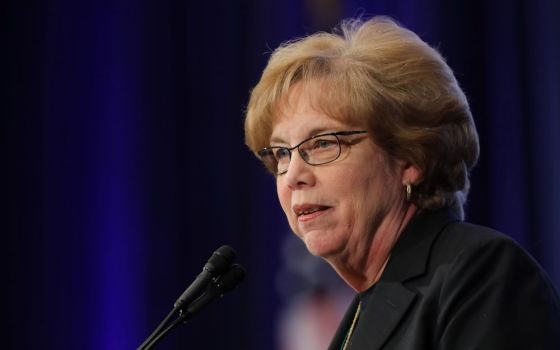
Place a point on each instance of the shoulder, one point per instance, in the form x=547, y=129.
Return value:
x=485, y=279
x=464, y=253
x=460, y=241
x=466, y=235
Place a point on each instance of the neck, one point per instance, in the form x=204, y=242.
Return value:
x=363, y=267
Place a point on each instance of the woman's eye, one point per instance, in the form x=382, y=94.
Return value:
x=324, y=144
x=282, y=153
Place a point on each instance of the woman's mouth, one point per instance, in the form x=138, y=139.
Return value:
x=307, y=212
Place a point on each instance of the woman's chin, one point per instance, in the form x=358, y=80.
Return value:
x=317, y=244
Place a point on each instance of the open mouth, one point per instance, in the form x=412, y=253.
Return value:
x=309, y=211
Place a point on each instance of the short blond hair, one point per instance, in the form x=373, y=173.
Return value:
x=383, y=77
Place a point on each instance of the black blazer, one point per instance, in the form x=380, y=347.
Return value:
x=453, y=285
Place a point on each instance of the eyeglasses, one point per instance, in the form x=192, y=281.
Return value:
x=316, y=150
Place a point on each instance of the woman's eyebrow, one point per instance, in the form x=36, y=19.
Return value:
x=276, y=139
x=310, y=133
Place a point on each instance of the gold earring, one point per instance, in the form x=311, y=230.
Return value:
x=408, y=191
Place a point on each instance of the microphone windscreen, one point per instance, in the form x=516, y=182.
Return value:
x=234, y=276
x=220, y=261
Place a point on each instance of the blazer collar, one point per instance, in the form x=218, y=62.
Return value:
x=409, y=257
x=385, y=303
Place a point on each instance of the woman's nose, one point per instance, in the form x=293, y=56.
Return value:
x=299, y=173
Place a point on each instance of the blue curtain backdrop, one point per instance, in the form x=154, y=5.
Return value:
x=124, y=165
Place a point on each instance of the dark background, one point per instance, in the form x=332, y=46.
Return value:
x=124, y=165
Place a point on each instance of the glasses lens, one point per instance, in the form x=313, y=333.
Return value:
x=268, y=159
x=315, y=151
x=320, y=150
x=276, y=159
x=282, y=156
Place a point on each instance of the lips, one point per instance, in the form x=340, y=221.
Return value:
x=306, y=212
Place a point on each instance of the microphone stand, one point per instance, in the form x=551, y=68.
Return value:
x=158, y=336
x=154, y=337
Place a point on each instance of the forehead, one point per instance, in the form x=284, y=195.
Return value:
x=300, y=116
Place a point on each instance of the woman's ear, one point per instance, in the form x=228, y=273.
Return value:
x=411, y=174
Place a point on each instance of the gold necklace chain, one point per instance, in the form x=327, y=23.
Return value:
x=351, y=330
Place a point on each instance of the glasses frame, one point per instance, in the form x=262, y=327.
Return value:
x=263, y=152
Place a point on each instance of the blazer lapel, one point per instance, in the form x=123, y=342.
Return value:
x=382, y=313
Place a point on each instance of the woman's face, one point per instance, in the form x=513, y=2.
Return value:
x=335, y=208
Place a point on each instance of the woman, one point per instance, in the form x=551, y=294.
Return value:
x=371, y=140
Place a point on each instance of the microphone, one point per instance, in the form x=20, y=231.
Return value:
x=218, y=287
x=224, y=284
x=219, y=262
